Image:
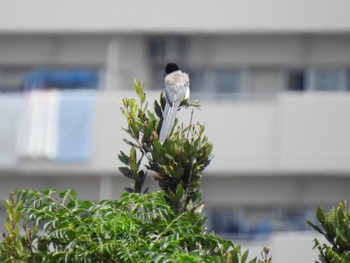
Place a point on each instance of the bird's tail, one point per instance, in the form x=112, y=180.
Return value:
x=168, y=122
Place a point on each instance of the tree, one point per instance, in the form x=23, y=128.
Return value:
x=162, y=226
x=177, y=165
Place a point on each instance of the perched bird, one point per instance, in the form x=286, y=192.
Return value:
x=176, y=89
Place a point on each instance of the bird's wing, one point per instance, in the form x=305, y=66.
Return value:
x=175, y=96
x=176, y=88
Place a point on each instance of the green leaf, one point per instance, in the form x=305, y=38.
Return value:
x=138, y=86
x=330, y=230
x=244, y=256
x=315, y=227
x=158, y=109
x=340, y=215
x=132, y=155
x=253, y=260
x=131, y=143
x=341, y=239
x=126, y=172
x=123, y=158
x=320, y=215
x=179, y=192
x=169, y=157
x=135, y=129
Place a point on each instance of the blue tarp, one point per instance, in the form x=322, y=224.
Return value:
x=62, y=79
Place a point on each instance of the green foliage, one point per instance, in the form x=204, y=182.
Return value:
x=162, y=226
x=14, y=247
x=177, y=164
x=138, y=228
x=266, y=258
x=335, y=227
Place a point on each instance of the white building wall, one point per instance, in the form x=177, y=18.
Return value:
x=224, y=16
x=124, y=57
x=314, y=132
x=53, y=50
x=268, y=50
x=291, y=134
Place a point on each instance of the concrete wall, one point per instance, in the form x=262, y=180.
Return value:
x=53, y=50
x=156, y=16
x=311, y=132
x=268, y=50
x=199, y=51
x=120, y=59
x=287, y=247
x=265, y=58
x=293, y=133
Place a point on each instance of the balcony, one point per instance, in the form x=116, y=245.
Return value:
x=293, y=133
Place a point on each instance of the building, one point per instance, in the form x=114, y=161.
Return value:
x=273, y=79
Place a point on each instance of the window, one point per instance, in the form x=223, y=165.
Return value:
x=228, y=81
x=318, y=80
x=227, y=222
x=216, y=83
x=156, y=49
x=19, y=79
x=201, y=82
x=327, y=79
x=11, y=79
x=163, y=49
x=296, y=80
x=60, y=79
x=258, y=222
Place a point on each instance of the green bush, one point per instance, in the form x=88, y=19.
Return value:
x=136, y=228
x=162, y=226
x=335, y=227
x=177, y=164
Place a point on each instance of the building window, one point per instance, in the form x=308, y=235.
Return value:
x=216, y=83
x=296, y=80
x=201, y=82
x=11, y=79
x=25, y=79
x=228, y=81
x=327, y=80
x=318, y=80
x=162, y=49
x=156, y=49
x=258, y=223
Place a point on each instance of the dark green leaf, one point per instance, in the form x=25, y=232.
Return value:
x=126, y=172
x=320, y=215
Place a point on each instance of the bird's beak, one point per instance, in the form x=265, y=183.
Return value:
x=164, y=74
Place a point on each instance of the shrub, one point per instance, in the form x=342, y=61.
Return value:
x=335, y=227
x=162, y=226
x=177, y=164
x=136, y=228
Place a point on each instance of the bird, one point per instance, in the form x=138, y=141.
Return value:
x=176, y=90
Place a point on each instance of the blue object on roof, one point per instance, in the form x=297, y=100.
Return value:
x=61, y=79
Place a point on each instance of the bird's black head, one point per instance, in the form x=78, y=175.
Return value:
x=171, y=67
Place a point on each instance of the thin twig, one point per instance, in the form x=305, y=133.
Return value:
x=190, y=126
